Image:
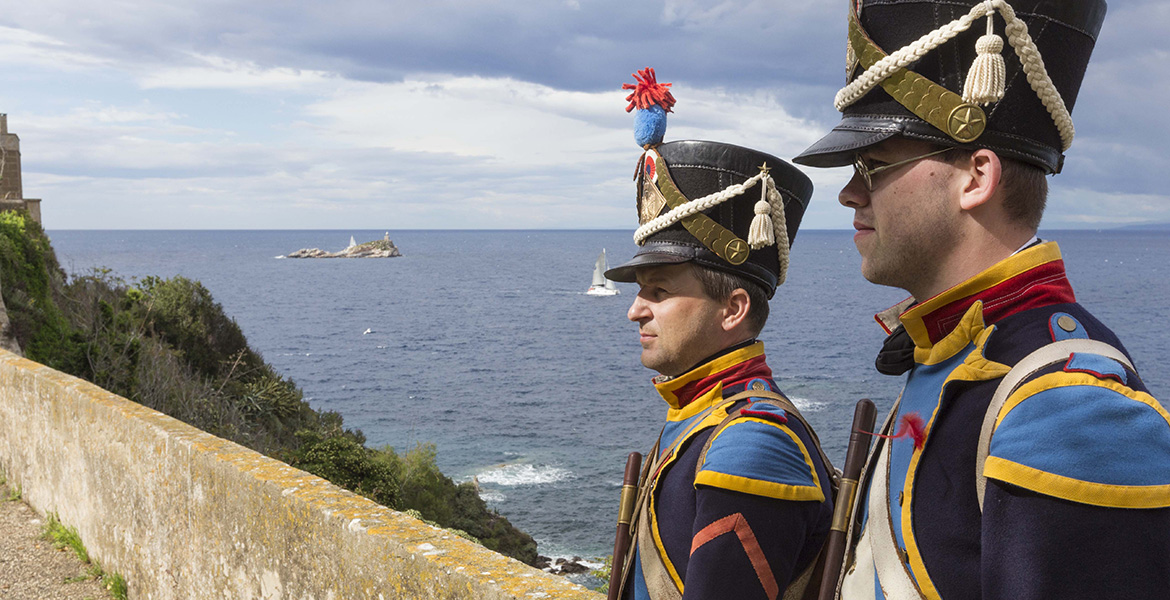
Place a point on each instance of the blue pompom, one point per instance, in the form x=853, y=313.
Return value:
x=649, y=125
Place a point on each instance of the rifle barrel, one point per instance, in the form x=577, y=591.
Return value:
x=621, y=542
x=864, y=417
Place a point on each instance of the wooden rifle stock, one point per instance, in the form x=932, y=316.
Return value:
x=864, y=417
x=621, y=542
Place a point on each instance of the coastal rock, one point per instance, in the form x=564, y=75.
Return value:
x=562, y=566
x=569, y=567
x=376, y=249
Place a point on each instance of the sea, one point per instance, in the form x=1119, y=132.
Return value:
x=484, y=344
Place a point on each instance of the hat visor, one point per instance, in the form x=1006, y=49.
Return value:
x=838, y=148
x=662, y=254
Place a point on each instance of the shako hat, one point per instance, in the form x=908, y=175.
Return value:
x=720, y=206
x=940, y=71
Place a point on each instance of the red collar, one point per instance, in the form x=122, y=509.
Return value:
x=1029, y=279
x=735, y=367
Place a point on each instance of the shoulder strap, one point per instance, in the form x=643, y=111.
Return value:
x=897, y=583
x=658, y=581
x=1028, y=366
x=859, y=581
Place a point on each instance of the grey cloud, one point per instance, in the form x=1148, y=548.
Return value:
x=793, y=50
x=587, y=48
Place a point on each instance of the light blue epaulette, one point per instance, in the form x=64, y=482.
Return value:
x=755, y=452
x=1082, y=434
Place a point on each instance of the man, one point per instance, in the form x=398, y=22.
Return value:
x=1050, y=480
x=735, y=501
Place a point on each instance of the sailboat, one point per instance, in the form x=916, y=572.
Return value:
x=601, y=286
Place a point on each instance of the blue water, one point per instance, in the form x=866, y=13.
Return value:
x=483, y=343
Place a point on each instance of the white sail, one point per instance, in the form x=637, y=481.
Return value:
x=599, y=270
x=602, y=286
x=352, y=242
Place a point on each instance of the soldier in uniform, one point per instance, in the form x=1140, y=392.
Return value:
x=735, y=499
x=1027, y=459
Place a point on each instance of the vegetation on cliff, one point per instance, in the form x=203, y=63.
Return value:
x=167, y=344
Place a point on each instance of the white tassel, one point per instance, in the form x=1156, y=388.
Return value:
x=986, y=79
x=760, y=235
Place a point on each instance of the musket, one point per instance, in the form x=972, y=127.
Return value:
x=621, y=542
x=863, y=420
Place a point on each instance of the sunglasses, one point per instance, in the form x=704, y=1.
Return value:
x=862, y=168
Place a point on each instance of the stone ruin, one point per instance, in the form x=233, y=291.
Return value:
x=11, y=188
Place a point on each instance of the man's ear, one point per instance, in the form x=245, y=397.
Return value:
x=980, y=179
x=736, y=309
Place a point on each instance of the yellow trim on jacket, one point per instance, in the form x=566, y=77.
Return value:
x=768, y=489
x=1060, y=379
x=1069, y=488
x=1076, y=490
x=713, y=403
x=1002, y=271
x=668, y=387
x=975, y=367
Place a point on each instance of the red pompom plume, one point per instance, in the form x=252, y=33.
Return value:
x=911, y=425
x=648, y=92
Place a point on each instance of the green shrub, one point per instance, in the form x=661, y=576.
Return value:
x=184, y=314
x=29, y=275
x=345, y=462
x=424, y=488
x=167, y=344
x=489, y=527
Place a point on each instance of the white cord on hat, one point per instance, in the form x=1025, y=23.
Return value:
x=986, y=79
x=767, y=210
x=1021, y=41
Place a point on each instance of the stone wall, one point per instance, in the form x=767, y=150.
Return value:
x=184, y=514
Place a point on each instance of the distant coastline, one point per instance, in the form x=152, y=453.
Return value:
x=1146, y=227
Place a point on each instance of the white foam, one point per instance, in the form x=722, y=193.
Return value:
x=492, y=497
x=807, y=405
x=524, y=474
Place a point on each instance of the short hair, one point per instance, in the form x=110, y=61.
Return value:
x=1025, y=188
x=718, y=285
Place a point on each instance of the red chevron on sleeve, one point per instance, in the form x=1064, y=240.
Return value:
x=738, y=524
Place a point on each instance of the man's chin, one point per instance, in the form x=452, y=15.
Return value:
x=654, y=364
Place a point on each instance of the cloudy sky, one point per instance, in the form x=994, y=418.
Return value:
x=266, y=114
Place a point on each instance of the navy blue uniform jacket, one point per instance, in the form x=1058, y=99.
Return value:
x=754, y=515
x=1078, y=475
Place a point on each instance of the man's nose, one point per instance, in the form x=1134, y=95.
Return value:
x=854, y=194
x=638, y=310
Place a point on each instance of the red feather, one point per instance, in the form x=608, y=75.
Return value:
x=912, y=425
x=648, y=92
